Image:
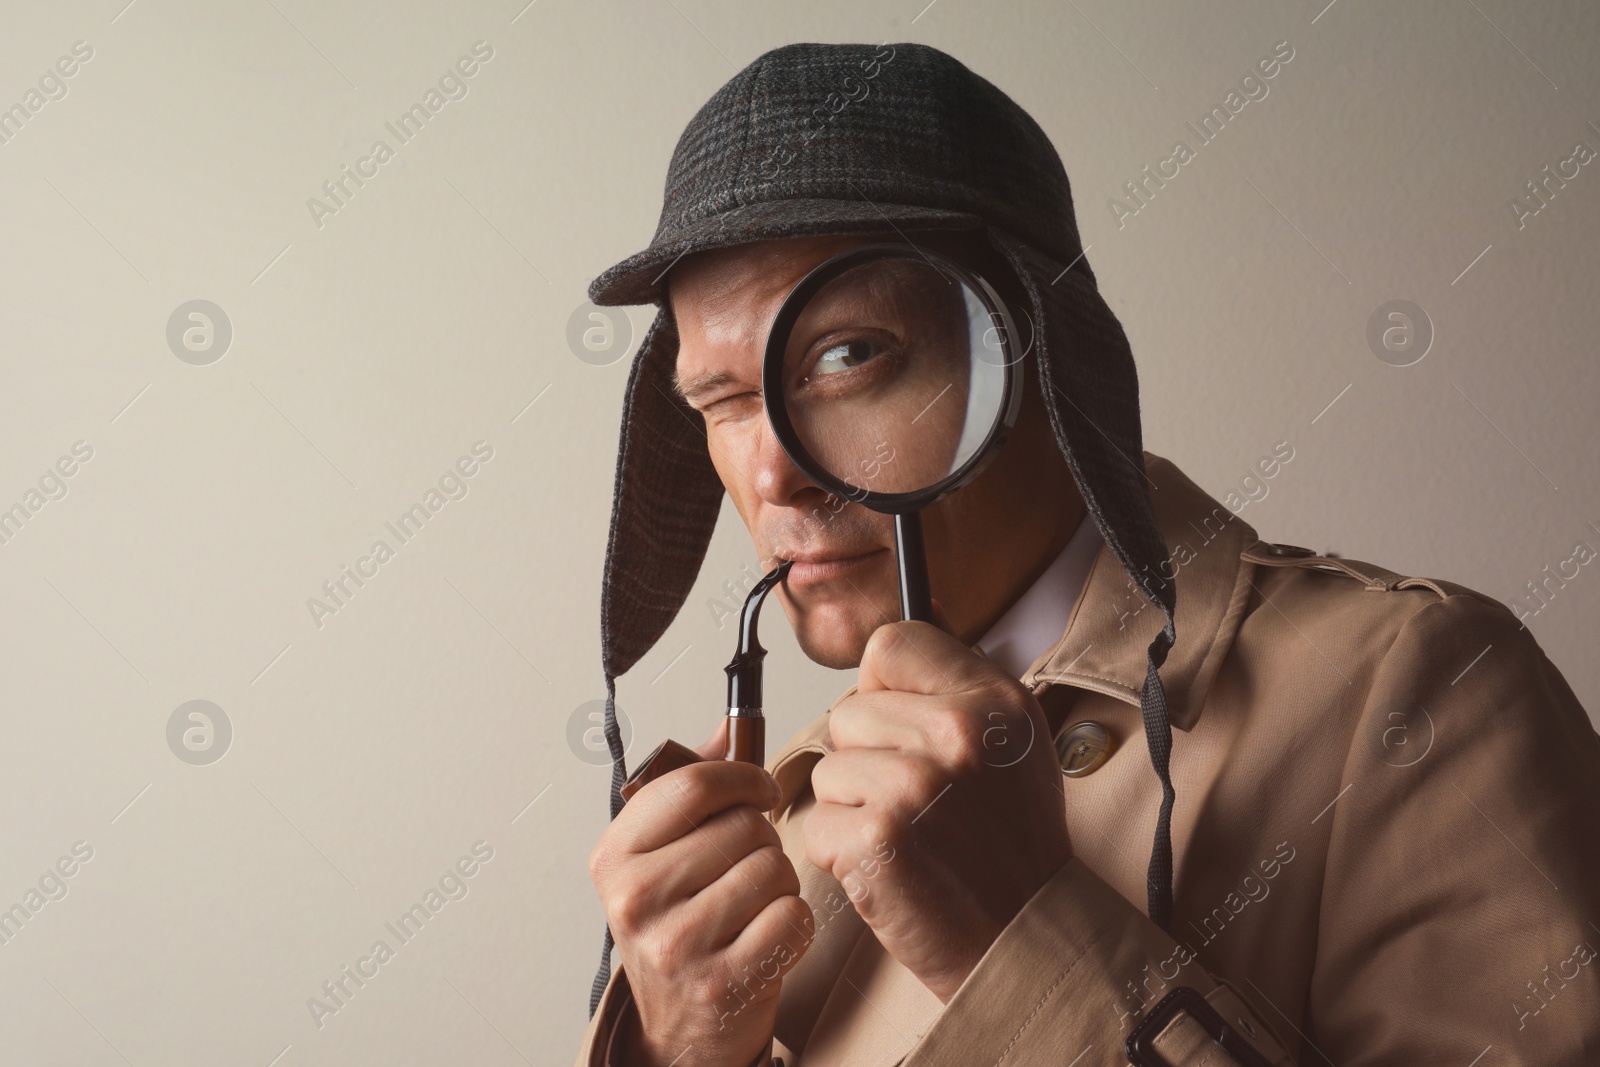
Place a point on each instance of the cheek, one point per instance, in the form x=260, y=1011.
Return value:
x=731, y=455
x=953, y=528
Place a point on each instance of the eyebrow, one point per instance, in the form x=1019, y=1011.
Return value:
x=698, y=384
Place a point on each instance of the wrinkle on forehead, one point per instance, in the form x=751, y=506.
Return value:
x=723, y=311
x=728, y=298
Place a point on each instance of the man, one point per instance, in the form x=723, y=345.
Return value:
x=1375, y=804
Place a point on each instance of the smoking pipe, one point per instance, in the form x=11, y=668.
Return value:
x=747, y=727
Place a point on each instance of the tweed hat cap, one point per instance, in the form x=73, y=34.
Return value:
x=889, y=140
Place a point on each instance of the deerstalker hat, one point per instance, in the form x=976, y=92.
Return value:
x=888, y=139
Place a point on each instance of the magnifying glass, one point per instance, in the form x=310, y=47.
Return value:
x=890, y=380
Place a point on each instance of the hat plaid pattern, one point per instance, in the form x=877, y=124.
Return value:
x=853, y=138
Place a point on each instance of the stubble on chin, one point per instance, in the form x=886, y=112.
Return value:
x=832, y=654
x=834, y=638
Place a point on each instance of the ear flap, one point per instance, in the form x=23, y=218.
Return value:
x=664, y=505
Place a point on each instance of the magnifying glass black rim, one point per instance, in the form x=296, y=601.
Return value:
x=778, y=342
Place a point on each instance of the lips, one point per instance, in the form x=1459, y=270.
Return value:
x=817, y=567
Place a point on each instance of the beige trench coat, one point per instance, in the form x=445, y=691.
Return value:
x=1386, y=838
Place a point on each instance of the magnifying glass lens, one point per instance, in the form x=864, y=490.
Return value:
x=894, y=375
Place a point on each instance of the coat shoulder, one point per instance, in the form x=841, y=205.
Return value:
x=1394, y=640
x=1358, y=615
x=1342, y=586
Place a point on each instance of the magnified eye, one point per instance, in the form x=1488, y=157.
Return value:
x=845, y=355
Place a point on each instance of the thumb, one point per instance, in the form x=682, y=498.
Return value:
x=716, y=745
x=942, y=620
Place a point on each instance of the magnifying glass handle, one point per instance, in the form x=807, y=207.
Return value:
x=916, y=602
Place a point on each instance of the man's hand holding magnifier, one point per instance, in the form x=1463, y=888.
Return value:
x=946, y=761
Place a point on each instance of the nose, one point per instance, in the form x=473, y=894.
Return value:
x=777, y=480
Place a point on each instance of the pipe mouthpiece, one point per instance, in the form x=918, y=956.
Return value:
x=744, y=672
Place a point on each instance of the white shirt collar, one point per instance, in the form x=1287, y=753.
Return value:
x=1038, y=618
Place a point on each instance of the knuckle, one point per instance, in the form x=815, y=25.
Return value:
x=772, y=869
x=750, y=823
x=884, y=640
x=686, y=788
x=820, y=848
x=967, y=754
x=882, y=827
x=786, y=924
x=739, y=829
x=600, y=864
x=766, y=833
x=959, y=736
x=952, y=723
x=628, y=908
x=794, y=910
x=661, y=953
x=710, y=988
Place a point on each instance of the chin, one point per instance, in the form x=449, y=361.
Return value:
x=832, y=629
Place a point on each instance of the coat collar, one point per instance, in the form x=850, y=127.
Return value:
x=1112, y=625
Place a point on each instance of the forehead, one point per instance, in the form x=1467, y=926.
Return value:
x=724, y=300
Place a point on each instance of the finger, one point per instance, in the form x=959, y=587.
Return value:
x=715, y=746
x=730, y=904
x=773, y=940
x=680, y=800
x=883, y=719
x=688, y=865
x=918, y=657
x=882, y=778
x=835, y=832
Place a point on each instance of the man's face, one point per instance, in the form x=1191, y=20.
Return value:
x=985, y=543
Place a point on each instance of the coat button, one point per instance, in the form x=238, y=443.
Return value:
x=1082, y=748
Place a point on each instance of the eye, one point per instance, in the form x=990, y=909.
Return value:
x=845, y=355
x=730, y=403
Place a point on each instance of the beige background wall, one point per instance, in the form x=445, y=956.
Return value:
x=368, y=354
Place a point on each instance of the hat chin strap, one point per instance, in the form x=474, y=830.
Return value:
x=1158, y=733
x=619, y=774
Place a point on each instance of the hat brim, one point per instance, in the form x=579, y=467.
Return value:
x=639, y=278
